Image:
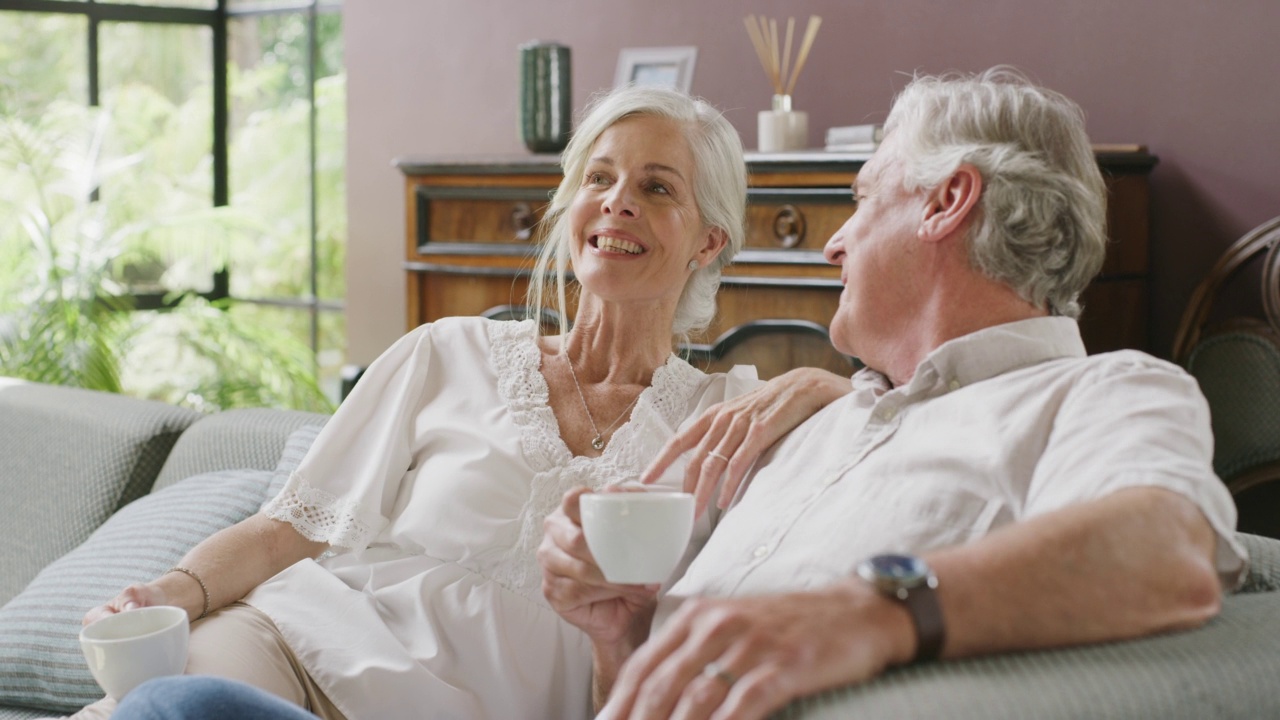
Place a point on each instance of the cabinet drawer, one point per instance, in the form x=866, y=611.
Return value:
x=449, y=216
x=800, y=219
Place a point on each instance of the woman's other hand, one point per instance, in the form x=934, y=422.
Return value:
x=575, y=586
x=135, y=596
x=730, y=436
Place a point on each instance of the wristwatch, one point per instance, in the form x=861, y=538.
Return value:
x=909, y=580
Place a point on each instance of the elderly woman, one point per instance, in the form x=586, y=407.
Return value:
x=395, y=574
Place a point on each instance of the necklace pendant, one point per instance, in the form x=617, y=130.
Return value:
x=597, y=442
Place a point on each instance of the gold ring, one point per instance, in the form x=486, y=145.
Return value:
x=715, y=670
x=715, y=454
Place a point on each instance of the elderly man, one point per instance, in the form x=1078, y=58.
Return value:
x=985, y=487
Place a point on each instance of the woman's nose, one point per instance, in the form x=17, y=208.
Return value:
x=619, y=200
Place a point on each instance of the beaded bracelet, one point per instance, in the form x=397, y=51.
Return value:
x=192, y=574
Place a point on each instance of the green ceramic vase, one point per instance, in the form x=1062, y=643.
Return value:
x=546, y=102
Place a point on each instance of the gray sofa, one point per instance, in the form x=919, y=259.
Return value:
x=71, y=459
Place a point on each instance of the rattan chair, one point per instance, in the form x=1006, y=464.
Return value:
x=1237, y=363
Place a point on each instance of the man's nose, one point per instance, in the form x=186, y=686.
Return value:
x=833, y=251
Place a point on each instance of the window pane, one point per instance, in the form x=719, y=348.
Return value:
x=331, y=355
x=44, y=123
x=270, y=153
x=202, y=4
x=331, y=145
x=210, y=358
x=42, y=59
x=156, y=86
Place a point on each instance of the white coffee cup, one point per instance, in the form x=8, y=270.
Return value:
x=127, y=649
x=637, y=537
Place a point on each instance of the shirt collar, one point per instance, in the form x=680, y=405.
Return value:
x=985, y=354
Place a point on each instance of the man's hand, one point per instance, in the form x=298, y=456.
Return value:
x=576, y=589
x=730, y=436
x=745, y=658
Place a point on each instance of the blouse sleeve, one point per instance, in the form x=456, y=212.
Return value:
x=343, y=490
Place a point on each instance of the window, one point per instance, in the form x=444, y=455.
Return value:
x=168, y=149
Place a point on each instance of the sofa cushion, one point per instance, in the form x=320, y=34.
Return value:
x=69, y=458
x=247, y=438
x=295, y=448
x=40, y=660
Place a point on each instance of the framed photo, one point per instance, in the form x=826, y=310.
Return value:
x=663, y=66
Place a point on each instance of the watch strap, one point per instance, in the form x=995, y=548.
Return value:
x=922, y=604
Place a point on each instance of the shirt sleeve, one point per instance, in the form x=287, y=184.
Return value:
x=1137, y=422
x=343, y=490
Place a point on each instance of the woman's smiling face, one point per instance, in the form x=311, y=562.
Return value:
x=635, y=218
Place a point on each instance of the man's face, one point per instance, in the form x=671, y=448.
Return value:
x=877, y=251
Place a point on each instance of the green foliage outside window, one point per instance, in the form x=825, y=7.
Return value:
x=71, y=257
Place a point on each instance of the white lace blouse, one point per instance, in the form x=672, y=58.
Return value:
x=431, y=482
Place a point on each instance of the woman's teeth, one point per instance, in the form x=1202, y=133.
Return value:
x=618, y=245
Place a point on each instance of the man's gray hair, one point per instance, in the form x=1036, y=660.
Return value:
x=1041, y=225
x=719, y=188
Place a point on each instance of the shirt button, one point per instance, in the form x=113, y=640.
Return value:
x=954, y=385
x=887, y=414
x=761, y=551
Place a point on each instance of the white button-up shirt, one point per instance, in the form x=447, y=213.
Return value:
x=995, y=427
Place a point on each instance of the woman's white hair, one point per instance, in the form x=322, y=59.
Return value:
x=719, y=188
x=1041, y=225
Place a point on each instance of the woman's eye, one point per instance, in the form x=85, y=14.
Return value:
x=660, y=188
x=596, y=178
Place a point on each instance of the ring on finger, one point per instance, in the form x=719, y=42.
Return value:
x=715, y=454
x=715, y=670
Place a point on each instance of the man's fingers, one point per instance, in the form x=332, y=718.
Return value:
x=679, y=444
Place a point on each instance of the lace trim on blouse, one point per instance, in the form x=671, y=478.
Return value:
x=320, y=516
x=517, y=361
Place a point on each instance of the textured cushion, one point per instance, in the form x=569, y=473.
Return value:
x=1264, y=563
x=295, y=448
x=69, y=458
x=1226, y=669
x=40, y=660
x=250, y=438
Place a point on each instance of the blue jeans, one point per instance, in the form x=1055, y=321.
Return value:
x=204, y=697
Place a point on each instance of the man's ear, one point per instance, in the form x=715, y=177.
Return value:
x=949, y=205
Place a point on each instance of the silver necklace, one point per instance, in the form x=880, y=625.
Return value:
x=598, y=441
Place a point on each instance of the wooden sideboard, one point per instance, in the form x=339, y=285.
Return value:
x=470, y=243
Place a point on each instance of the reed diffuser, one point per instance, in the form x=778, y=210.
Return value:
x=781, y=128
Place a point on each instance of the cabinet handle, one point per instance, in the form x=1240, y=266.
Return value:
x=522, y=221
x=788, y=226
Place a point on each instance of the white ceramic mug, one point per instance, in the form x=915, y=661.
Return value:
x=637, y=537
x=127, y=649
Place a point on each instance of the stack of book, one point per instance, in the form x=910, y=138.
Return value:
x=854, y=138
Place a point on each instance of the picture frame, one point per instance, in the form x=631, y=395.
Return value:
x=670, y=67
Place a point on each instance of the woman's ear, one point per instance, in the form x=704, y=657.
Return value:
x=714, y=241
x=949, y=205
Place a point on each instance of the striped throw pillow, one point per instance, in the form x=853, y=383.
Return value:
x=41, y=664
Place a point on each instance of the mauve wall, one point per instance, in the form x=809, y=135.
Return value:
x=1195, y=80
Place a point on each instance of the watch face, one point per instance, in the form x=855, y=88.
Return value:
x=896, y=571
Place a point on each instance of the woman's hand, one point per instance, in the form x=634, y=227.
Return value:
x=730, y=436
x=575, y=586
x=135, y=596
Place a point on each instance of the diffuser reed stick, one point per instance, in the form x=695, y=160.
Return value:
x=775, y=59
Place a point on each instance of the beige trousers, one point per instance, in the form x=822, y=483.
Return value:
x=240, y=642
